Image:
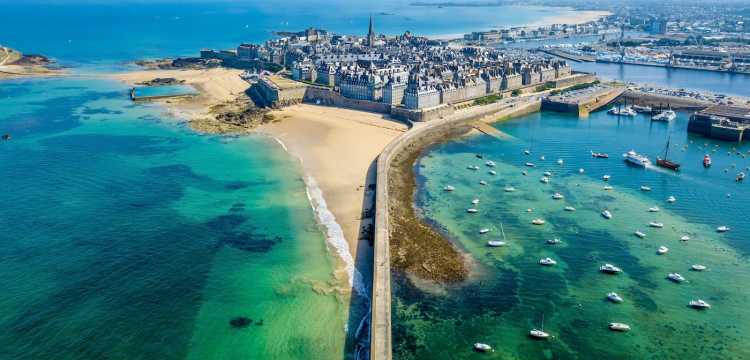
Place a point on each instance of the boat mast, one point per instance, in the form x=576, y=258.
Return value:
x=502, y=231
x=666, y=151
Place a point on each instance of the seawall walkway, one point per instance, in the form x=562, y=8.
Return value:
x=380, y=324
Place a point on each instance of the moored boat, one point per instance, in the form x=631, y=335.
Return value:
x=698, y=267
x=671, y=199
x=509, y=189
x=676, y=277
x=654, y=209
x=662, y=250
x=558, y=196
x=706, y=161
x=640, y=234
x=537, y=222
x=448, y=188
x=645, y=188
x=666, y=116
x=569, y=208
x=554, y=241
x=722, y=229
x=699, y=304
x=619, y=327
x=544, y=180
x=610, y=269
x=481, y=347
x=655, y=224
x=484, y=231
x=547, y=262
x=606, y=214
x=472, y=211
x=613, y=297
x=496, y=243
x=599, y=155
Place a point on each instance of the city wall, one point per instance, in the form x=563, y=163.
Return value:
x=416, y=139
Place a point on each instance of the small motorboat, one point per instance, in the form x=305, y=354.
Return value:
x=472, y=211
x=655, y=224
x=722, y=229
x=449, y=188
x=607, y=187
x=490, y=163
x=482, y=182
x=544, y=180
x=706, y=161
x=524, y=172
x=560, y=161
x=613, y=297
x=480, y=347
x=645, y=188
x=698, y=267
x=547, y=262
x=684, y=238
x=640, y=234
x=473, y=167
x=599, y=155
x=527, y=152
x=530, y=164
x=606, y=177
x=547, y=174
x=492, y=172
x=509, y=189
x=662, y=250
x=484, y=231
x=676, y=277
x=619, y=327
x=479, y=156
x=610, y=269
x=475, y=201
x=6, y=137
x=569, y=208
x=606, y=214
x=654, y=209
x=537, y=222
x=558, y=196
x=541, y=158
x=581, y=171
x=671, y=199
x=740, y=177
x=554, y=241
x=496, y=243
x=699, y=304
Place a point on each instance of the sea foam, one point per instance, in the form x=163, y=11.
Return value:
x=334, y=234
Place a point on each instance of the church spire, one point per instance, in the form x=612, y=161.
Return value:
x=371, y=34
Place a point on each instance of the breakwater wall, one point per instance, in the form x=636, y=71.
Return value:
x=416, y=139
x=664, y=101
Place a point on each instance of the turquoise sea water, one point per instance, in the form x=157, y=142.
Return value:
x=128, y=236
x=509, y=292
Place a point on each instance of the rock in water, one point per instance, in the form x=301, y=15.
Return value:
x=240, y=321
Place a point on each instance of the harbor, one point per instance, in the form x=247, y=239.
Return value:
x=508, y=291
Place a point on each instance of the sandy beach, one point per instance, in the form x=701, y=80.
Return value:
x=338, y=147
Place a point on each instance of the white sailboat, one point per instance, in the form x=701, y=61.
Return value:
x=539, y=333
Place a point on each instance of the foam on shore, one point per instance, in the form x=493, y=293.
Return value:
x=334, y=234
